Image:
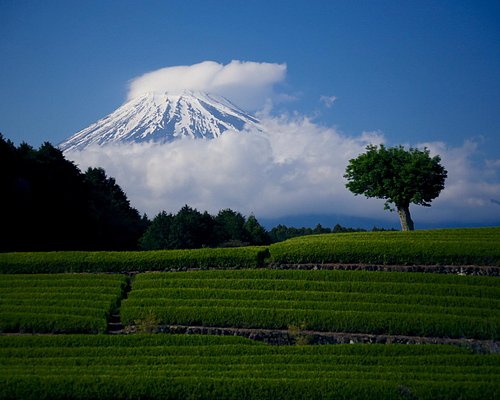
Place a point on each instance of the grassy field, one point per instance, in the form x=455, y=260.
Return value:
x=211, y=367
x=336, y=301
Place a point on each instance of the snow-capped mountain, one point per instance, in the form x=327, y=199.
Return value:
x=163, y=118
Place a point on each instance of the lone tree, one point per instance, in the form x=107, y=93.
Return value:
x=397, y=175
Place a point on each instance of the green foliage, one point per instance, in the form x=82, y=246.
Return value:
x=201, y=367
x=229, y=227
x=190, y=229
x=398, y=176
x=129, y=261
x=282, y=232
x=340, y=301
x=58, y=303
x=115, y=224
x=48, y=204
x=479, y=246
x=157, y=235
x=256, y=233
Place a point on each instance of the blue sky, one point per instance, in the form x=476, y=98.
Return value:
x=414, y=71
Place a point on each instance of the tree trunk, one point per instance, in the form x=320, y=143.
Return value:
x=405, y=218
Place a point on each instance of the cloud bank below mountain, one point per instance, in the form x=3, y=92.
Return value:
x=295, y=168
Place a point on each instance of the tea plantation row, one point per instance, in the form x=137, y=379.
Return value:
x=479, y=246
x=330, y=301
x=211, y=367
x=58, y=303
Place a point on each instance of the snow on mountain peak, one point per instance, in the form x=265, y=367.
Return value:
x=163, y=117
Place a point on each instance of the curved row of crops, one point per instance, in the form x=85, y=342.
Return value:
x=338, y=301
x=201, y=367
x=474, y=246
x=479, y=246
x=58, y=303
x=132, y=261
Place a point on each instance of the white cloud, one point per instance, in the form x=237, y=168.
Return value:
x=248, y=84
x=328, y=100
x=468, y=190
x=295, y=169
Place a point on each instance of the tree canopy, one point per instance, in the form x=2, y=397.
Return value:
x=190, y=228
x=399, y=176
x=48, y=204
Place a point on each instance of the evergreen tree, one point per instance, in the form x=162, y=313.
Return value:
x=230, y=228
x=157, y=236
x=256, y=233
x=115, y=224
x=48, y=204
x=191, y=229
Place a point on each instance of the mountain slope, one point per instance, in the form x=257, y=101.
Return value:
x=163, y=118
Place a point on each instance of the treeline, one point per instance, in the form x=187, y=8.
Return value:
x=282, y=232
x=189, y=229
x=47, y=203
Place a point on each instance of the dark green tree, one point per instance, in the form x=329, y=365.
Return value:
x=256, y=233
x=48, y=204
x=230, y=228
x=319, y=230
x=398, y=176
x=157, y=236
x=115, y=224
x=43, y=199
x=191, y=229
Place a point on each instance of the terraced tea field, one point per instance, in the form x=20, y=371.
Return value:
x=229, y=290
x=476, y=246
x=212, y=367
x=332, y=301
x=58, y=303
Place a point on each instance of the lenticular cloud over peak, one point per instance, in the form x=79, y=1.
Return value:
x=248, y=84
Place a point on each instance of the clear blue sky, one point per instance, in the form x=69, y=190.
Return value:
x=415, y=70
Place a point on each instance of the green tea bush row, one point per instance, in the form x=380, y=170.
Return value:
x=58, y=303
x=344, y=301
x=475, y=246
x=50, y=323
x=302, y=285
x=375, y=306
x=137, y=261
x=241, y=388
x=165, y=366
x=372, y=322
x=327, y=276
x=167, y=294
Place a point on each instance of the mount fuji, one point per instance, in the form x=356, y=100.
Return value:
x=163, y=118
